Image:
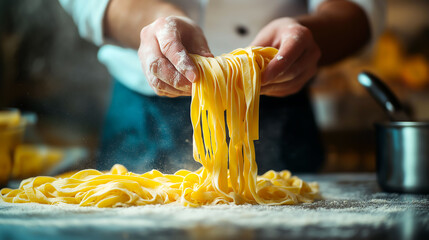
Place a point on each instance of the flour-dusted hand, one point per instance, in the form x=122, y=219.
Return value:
x=296, y=61
x=164, y=48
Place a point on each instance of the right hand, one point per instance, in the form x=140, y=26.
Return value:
x=163, y=52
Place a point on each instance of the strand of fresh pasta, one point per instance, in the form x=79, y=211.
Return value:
x=229, y=86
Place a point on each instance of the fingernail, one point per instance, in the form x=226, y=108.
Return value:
x=190, y=75
x=206, y=53
x=209, y=55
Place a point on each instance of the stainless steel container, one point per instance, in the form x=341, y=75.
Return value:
x=403, y=156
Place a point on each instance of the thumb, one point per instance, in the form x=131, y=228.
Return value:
x=263, y=39
x=202, y=50
x=200, y=47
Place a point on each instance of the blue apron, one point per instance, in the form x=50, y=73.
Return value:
x=150, y=132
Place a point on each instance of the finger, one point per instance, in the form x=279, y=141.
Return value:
x=163, y=89
x=278, y=74
x=263, y=39
x=166, y=94
x=289, y=87
x=308, y=59
x=172, y=48
x=202, y=51
x=292, y=47
x=167, y=73
x=305, y=61
x=156, y=66
x=198, y=45
x=194, y=42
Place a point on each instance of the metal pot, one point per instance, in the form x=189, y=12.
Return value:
x=402, y=145
x=403, y=156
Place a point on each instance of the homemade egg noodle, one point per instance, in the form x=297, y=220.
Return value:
x=229, y=86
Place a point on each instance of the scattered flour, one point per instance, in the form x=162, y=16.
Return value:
x=349, y=208
x=151, y=64
x=331, y=214
x=168, y=32
x=293, y=25
x=291, y=36
x=295, y=37
x=183, y=63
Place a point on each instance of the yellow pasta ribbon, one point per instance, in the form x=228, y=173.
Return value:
x=229, y=86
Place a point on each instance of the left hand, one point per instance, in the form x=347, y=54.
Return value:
x=295, y=63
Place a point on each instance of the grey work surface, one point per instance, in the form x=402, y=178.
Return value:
x=353, y=208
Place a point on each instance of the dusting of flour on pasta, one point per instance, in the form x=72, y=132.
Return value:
x=225, y=102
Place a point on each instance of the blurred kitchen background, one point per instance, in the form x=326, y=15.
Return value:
x=46, y=68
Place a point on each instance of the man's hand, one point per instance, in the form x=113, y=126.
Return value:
x=296, y=61
x=164, y=48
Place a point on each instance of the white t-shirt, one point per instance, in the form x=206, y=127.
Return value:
x=227, y=25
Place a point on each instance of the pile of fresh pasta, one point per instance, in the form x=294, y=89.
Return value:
x=228, y=87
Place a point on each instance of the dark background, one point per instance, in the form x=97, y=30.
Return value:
x=46, y=68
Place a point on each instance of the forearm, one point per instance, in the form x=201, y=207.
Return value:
x=124, y=19
x=339, y=27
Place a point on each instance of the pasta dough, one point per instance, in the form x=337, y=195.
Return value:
x=227, y=92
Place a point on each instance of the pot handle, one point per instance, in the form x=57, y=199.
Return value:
x=384, y=96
